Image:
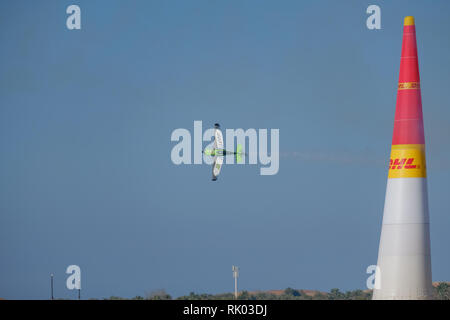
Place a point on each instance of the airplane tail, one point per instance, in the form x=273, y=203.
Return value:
x=239, y=153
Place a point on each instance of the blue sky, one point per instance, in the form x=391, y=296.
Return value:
x=85, y=124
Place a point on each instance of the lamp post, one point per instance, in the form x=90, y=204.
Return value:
x=235, y=276
x=51, y=286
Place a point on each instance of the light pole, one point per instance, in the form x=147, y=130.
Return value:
x=51, y=285
x=235, y=276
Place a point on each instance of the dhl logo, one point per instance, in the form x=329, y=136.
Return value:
x=407, y=161
x=397, y=164
x=408, y=85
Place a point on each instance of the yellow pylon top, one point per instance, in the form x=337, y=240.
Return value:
x=409, y=21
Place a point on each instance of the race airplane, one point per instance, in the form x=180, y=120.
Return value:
x=219, y=152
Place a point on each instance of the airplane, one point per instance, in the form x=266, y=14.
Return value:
x=219, y=152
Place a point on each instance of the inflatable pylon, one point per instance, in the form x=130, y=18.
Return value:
x=404, y=258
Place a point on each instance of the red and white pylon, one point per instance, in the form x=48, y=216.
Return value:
x=404, y=259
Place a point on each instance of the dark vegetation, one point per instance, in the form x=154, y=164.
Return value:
x=441, y=292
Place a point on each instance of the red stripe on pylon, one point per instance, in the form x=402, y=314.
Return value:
x=408, y=125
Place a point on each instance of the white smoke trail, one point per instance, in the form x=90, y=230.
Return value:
x=342, y=158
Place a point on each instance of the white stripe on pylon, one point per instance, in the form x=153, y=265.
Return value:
x=404, y=258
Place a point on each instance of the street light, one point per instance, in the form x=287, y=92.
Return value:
x=235, y=276
x=51, y=285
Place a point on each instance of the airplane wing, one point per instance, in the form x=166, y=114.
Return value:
x=218, y=137
x=217, y=165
